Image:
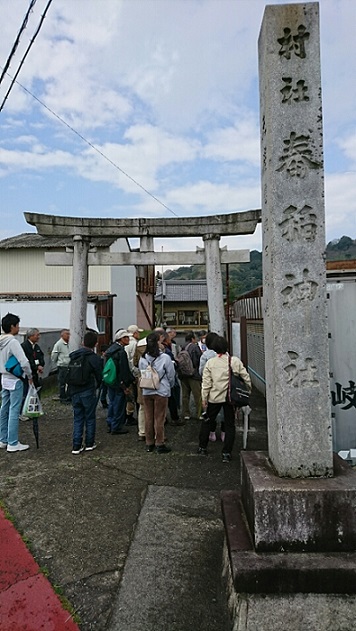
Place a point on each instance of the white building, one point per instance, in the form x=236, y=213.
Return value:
x=42, y=293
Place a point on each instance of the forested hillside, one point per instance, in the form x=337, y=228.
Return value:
x=244, y=277
x=341, y=249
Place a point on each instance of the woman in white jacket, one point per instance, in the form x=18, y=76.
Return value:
x=214, y=394
x=155, y=401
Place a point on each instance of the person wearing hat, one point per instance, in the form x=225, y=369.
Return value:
x=130, y=349
x=117, y=394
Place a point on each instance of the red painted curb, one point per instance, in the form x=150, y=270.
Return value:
x=27, y=599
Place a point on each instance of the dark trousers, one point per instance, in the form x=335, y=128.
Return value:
x=172, y=406
x=63, y=392
x=103, y=393
x=208, y=426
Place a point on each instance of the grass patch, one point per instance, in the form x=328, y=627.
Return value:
x=66, y=604
x=7, y=512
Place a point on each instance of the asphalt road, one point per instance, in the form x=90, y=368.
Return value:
x=133, y=540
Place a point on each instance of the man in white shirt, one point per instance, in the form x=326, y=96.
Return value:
x=60, y=358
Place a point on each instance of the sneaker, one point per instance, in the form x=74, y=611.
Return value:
x=18, y=447
x=23, y=417
x=77, y=451
x=226, y=457
x=120, y=431
x=3, y=445
x=150, y=448
x=90, y=448
x=202, y=451
x=187, y=418
x=222, y=437
x=163, y=449
x=141, y=438
x=212, y=437
x=177, y=422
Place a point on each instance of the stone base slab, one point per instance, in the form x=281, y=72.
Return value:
x=303, y=612
x=281, y=573
x=298, y=515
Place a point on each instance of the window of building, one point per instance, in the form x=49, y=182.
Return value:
x=188, y=318
x=101, y=322
x=204, y=318
x=170, y=317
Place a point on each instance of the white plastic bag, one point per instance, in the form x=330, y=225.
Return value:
x=32, y=406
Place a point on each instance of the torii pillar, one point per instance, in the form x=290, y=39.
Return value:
x=214, y=283
x=78, y=313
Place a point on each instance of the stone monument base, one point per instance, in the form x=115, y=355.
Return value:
x=281, y=611
x=289, y=536
x=301, y=514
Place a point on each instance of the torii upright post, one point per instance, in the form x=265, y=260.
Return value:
x=78, y=312
x=214, y=283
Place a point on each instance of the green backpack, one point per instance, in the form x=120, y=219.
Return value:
x=110, y=372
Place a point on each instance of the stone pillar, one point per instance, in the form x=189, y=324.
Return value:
x=147, y=245
x=214, y=283
x=78, y=313
x=293, y=221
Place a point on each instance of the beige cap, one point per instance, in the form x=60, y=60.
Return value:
x=133, y=328
x=121, y=333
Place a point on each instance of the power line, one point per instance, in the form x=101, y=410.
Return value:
x=26, y=53
x=94, y=147
x=17, y=40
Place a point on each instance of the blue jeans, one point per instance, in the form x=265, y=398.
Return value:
x=9, y=414
x=84, y=407
x=117, y=409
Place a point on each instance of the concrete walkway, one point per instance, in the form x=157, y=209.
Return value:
x=133, y=540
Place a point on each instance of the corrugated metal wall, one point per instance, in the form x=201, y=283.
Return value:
x=256, y=354
x=342, y=347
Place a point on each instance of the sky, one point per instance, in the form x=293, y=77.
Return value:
x=165, y=91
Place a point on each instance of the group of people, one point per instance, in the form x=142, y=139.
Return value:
x=207, y=384
x=199, y=370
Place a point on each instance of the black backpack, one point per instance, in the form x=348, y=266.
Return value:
x=79, y=371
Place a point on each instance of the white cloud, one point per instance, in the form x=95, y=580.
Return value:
x=205, y=197
x=240, y=142
x=146, y=151
x=35, y=161
x=349, y=147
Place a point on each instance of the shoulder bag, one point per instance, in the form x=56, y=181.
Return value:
x=237, y=392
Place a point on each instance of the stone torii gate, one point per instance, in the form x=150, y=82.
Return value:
x=82, y=230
